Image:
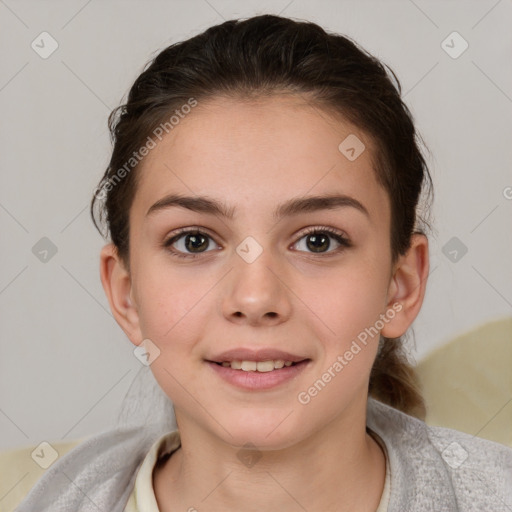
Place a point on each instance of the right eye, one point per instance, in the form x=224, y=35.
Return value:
x=187, y=239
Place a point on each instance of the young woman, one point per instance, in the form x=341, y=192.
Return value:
x=266, y=258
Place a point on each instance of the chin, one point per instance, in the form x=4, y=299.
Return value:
x=270, y=430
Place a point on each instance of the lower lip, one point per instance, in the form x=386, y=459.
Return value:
x=254, y=380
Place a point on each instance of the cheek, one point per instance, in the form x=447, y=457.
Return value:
x=350, y=308
x=173, y=306
x=174, y=315
x=345, y=302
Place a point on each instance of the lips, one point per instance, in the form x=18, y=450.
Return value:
x=264, y=354
x=258, y=381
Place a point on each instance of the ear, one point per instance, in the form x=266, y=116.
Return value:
x=407, y=287
x=116, y=281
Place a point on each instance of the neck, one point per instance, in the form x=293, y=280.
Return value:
x=338, y=468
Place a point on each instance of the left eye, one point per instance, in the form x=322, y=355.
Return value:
x=319, y=240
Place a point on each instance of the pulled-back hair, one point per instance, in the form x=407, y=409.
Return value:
x=258, y=57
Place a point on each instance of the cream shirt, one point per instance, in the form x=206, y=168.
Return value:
x=142, y=498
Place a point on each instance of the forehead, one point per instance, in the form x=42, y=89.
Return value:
x=260, y=151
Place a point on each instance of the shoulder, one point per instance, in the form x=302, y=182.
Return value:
x=21, y=468
x=446, y=467
x=479, y=468
x=102, y=467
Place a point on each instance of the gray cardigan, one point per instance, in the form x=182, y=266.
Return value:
x=432, y=469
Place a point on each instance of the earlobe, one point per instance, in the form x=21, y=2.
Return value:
x=116, y=281
x=407, y=287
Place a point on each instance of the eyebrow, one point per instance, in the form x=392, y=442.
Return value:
x=295, y=206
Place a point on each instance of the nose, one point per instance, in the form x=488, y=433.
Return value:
x=256, y=293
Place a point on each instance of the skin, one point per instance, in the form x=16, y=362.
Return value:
x=254, y=155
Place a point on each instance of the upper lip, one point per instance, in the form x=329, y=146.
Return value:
x=262, y=354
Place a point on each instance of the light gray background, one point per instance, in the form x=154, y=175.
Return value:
x=65, y=365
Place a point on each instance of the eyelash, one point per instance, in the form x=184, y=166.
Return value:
x=337, y=235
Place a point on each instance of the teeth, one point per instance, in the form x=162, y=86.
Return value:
x=249, y=366
x=253, y=366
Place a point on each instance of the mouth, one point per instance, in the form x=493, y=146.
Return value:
x=262, y=375
x=259, y=366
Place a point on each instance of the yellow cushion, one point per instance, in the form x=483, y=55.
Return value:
x=467, y=383
x=19, y=471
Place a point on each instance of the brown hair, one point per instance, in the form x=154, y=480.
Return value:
x=257, y=57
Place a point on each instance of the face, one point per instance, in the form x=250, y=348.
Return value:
x=308, y=282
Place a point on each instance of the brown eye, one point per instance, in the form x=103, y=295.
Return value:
x=318, y=243
x=188, y=243
x=318, y=240
x=195, y=242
